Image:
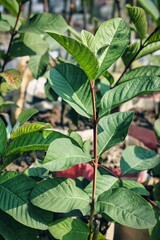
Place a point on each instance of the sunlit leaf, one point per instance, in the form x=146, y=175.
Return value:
x=59, y=195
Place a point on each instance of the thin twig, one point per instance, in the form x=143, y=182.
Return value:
x=108, y=170
x=134, y=57
x=153, y=203
x=13, y=33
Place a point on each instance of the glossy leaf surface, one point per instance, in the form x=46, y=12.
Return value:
x=71, y=84
x=82, y=54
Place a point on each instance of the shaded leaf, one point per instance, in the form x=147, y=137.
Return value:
x=70, y=83
x=136, y=159
x=112, y=129
x=28, y=44
x=38, y=65
x=12, y=230
x=135, y=187
x=157, y=128
x=59, y=195
x=15, y=202
x=82, y=54
x=128, y=90
x=112, y=38
x=139, y=19
x=3, y=138
x=130, y=53
x=127, y=208
x=69, y=228
x=64, y=153
x=141, y=71
x=41, y=22
x=156, y=192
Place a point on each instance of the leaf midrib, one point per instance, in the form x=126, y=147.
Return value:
x=80, y=104
x=111, y=204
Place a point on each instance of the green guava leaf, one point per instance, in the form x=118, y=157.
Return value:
x=24, y=116
x=38, y=64
x=13, y=230
x=136, y=159
x=154, y=37
x=128, y=90
x=127, y=208
x=29, y=142
x=64, y=153
x=130, y=52
x=71, y=84
x=150, y=8
x=28, y=128
x=59, y=195
x=41, y=22
x=141, y=71
x=3, y=139
x=104, y=183
x=139, y=19
x=88, y=39
x=135, y=187
x=11, y=6
x=111, y=40
x=112, y=129
x=15, y=192
x=150, y=48
x=157, y=128
x=82, y=54
x=69, y=228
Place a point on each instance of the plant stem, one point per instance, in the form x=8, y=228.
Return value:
x=13, y=33
x=95, y=149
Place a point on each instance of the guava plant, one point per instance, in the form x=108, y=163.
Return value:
x=37, y=200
